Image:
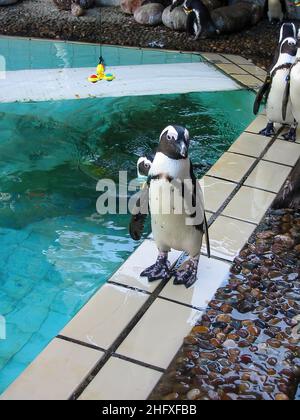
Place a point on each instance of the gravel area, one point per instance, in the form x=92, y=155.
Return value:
x=41, y=18
x=246, y=347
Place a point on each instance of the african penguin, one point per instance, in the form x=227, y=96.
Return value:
x=176, y=206
x=295, y=89
x=275, y=10
x=278, y=106
x=144, y=165
x=199, y=21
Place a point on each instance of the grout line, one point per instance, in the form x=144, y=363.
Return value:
x=134, y=289
x=80, y=343
x=138, y=362
x=239, y=220
x=198, y=308
x=222, y=259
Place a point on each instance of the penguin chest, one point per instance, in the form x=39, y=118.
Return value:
x=169, y=220
x=295, y=91
x=276, y=98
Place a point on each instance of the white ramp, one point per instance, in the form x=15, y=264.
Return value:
x=70, y=83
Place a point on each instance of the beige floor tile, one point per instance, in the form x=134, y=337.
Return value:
x=216, y=191
x=237, y=59
x=159, y=334
x=249, y=204
x=121, y=380
x=211, y=274
x=268, y=176
x=258, y=124
x=105, y=316
x=231, y=68
x=55, y=374
x=248, y=80
x=256, y=71
x=215, y=58
x=283, y=152
x=228, y=236
x=231, y=167
x=142, y=258
x=250, y=144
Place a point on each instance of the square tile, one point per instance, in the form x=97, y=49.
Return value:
x=143, y=257
x=250, y=144
x=55, y=374
x=105, y=316
x=215, y=58
x=248, y=80
x=231, y=68
x=283, y=152
x=121, y=380
x=249, y=204
x=285, y=130
x=237, y=59
x=211, y=274
x=228, y=236
x=159, y=334
x=255, y=71
x=258, y=124
x=268, y=176
x=231, y=167
x=215, y=191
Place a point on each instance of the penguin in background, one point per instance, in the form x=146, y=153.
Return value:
x=295, y=87
x=199, y=21
x=172, y=229
x=276, y=86
x=144, y=164
x=276, y=10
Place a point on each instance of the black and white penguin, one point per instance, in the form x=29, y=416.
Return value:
x=199, y=21
x=177, y=208
x=144, y=164
x=276, y=88
x=295, y=87
x=276, y=10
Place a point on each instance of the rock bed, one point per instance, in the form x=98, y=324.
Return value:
x=246, y=347
x=40, y=18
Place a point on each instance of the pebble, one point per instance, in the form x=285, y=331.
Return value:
x=281, y=397
x=193, y=394
x=229, y=344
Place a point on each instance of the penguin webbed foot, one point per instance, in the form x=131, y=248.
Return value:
x=187, y=275
x=268, y=131
x=159, y=271
x=291, y=135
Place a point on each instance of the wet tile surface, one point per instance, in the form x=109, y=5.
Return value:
x=231, y=69
x=283, y=152
x=55, y=374
x=250, y=144
x=105, y=316
x=248, y=80
x=249, y=204
x=154, y=339
x=268, y=176
x=143, y=257
x=228, y=236
x=231, y=167
x=211, y=275
x=216, y=191
x=121, y=380
x=257, y=125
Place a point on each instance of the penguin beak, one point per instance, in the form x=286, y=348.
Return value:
x=183, y=150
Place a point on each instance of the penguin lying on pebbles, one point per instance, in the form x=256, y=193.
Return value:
x=199, y=21
x=276, y=86
x=172, y=185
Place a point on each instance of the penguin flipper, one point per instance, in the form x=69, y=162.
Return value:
x=286, y=97
x=264, y=90
x=140, y=215
x=207, y=236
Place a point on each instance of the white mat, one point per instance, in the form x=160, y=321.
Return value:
x=59, y=84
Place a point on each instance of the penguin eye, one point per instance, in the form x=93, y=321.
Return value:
x=169, y=137
x=147, y=165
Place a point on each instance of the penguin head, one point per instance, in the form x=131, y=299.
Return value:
x=174, y=142
x=143, y=166
x=289, y=47
x=287, y=30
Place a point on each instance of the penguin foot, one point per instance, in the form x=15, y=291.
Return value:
x=291, y=135
x=188, y=274
x=159, y=271
x=268, y=131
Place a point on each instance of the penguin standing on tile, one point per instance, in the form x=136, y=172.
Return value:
x=295, y=87
x=144, y=164
x=199, y=21
x=276, y=90
x=177, y=209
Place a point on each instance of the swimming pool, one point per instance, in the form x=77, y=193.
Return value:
x=55, y=250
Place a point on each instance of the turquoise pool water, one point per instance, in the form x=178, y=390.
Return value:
x=55, y=250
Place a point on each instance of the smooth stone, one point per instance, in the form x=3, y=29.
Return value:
x=176, y=20
x=130, y=6
x=149, y=14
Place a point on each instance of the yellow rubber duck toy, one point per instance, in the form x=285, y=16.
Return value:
x=101, y=75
